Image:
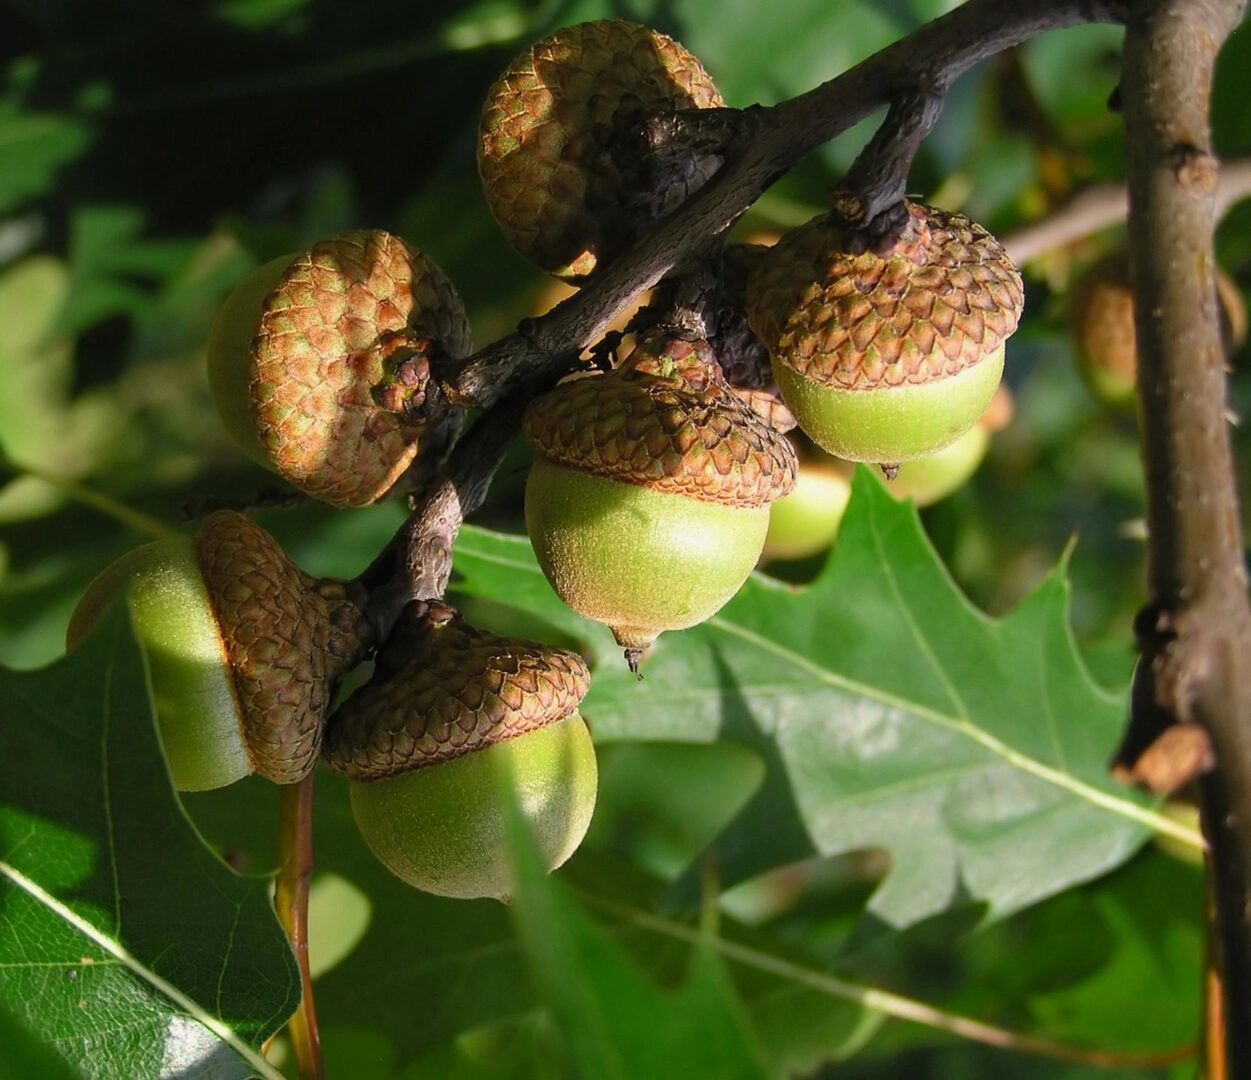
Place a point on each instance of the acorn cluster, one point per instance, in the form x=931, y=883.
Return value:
x=648, y=501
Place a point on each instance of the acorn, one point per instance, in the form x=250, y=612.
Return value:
x=886, y=355
x=451, y=714
x=1103, y=324
x=243, y=648
x=930, y=479
x=319, y=363
x=805, y=522
x=648, y=501
x=546, y=141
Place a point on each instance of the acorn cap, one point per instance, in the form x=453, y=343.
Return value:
x=544, y=147
x=342, y=318
x=276, y=633
x=769, y=406
x=666, y=420
x=443, y=689
x=938, y=301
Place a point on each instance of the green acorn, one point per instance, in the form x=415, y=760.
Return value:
x=805, y=522
x=648, y=501
x=451, y=713
x=244, y=649
x=319, y=363
x=545, y=146
x=886, y=356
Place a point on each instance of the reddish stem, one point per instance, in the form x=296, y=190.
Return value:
x=295, y=868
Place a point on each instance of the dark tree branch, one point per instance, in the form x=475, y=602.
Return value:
x=1196, y=639
x=417, y=562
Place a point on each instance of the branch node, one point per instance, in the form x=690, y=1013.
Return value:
x=1181, y=754
x=1194, y=168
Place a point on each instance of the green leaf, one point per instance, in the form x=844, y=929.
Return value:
x=755, y=56
x=41, y=421
x=33, y=146
x=1146, y=925
x=259, y=14
x=129, y=946
x=890, y=714
x=110, y=258
x=36, y=364
x=616, y=1022
x=424, y=970
x=24, y=1056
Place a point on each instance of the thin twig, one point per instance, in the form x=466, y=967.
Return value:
x=892, y=1004
x=295, y=868
x=1213, y=997
x=874, y=186
x=1195, y=634
x=1103, y=205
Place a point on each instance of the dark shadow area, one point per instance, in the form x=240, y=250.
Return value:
x=194, y=113
x=773, y=811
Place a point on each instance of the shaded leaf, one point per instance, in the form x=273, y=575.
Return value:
x=424, y=970
x=113, y=265
x=33, y=146
x=616, y=1023
x=25, y=1056
x=1147, y=926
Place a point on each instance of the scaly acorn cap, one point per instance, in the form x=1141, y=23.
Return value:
x=544, y=147
x=444, y=689
x=284, y=638
x=769, y=406
x=337, y=364
x=934, y=305
x=666, y=420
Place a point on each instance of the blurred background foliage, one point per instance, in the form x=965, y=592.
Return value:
x=152, y=153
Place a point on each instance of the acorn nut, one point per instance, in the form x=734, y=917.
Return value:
x=888, y=356
x=648, y=501
x=1103, y=324
x=452, y=713
x=319, y=363
x=545, y=145
x=243, y=648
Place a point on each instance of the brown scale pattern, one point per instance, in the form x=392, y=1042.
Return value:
x=769, y=406
x=544, y=142
x=275, y=630
x=942, y=298
x=665, y=419
x=453, y=689
x=314, y=362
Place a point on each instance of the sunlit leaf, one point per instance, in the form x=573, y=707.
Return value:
x=126, y=945
x=890, y=714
